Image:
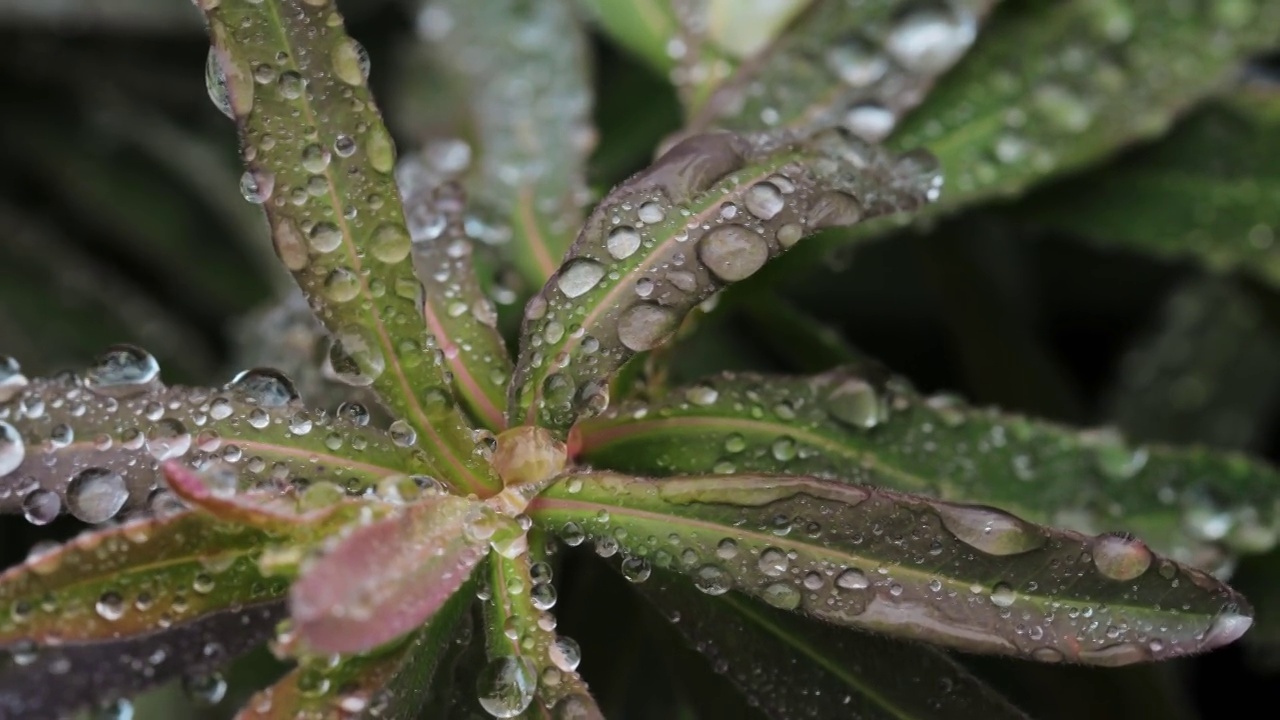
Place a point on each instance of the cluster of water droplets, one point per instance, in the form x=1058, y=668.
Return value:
x=864, y=425
x=860, y=68
x=866, y=558
x=711, y=211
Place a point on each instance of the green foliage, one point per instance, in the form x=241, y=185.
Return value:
x=399, y=539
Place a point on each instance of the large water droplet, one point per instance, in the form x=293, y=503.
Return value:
x=712, y=580
x=643, y=327
x=623, y=241
x=168, y=439
x=764, y=200
x=41, y=506
x=12, y=381
x=992, y=531
x=351, y=62
x=579, y=276
x=853, y=579
x=391, y=243
x=870, y=121
x=1002, y=595
x=506, y=686
x=266, y=387
x=257, y=185
x=854, y=402
x=856, y=62
x=733, y=252
x=354, y=358
x=215, y=81
x=782, y=595
x=12, y=449
x=773, y=562
x=95, y=495
x=1120, y=556
x=565, y=654
x=324, y=237
x=122, y=371
x=929, y=38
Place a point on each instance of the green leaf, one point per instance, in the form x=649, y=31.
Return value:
x=524, y=65
x=860, y=65
x=711, y=211
x=791, y=667
x=133, y=579
x=387, y=683
x=91, y=445
x=1103, y=74
x=382, y=579
x=968, y=577
x=644, y=27
x=462, y=320
x=326, y=182
x=861, y=425
x=524, y=646
x=1207, y=191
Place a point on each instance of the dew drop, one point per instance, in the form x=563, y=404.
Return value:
x=764, y=200
x=325, y=237
x=636, y=569
x=256, y=186
x=992, y=531
x=506, y=686
x=712, y=580
x=870, y=121
x=929, y=38
x=856, y=62
x=168, y=439
x=265, y=387
x=782, y=595
x=122, y=371
x=12, y=381
x=855, y=403
x=833, y=209
x=341, y=285
x=565, y=654
x=95, y=495
x=215, y=81
x=351, y=62
x=391, y=243
x=649, y=213
x=12, y=449
x=578, y=277
x=41, y=506
x=733, y=252
x=852, y=579
x=1002, y=595
x=110, y=606
x=644, y=326
x=773, y=562
x=623, y=242
x=1120, y=556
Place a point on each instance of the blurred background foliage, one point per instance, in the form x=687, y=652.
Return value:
x=1139, y=289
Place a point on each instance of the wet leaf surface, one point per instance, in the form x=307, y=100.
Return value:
x=710, y=212
x=862, y=425
x=960, y=576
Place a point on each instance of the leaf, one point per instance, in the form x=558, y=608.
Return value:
x=1206, y=191
x=525, y=67
x=793, y=668
x=804, y=342
x=1103, y=74
x=644, y=27
x=536, y=666
x=861, y=425
x=387, y=684
x=90, y=673
x=385, y=578
x=709, y=212
x=1208, y=372
x=462, y=320
x=968, y=577
x=860, y=65
x=91, y=444
x=132, y=579
x=326, y=183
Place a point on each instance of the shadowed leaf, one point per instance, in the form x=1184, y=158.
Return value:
x=795, y=668
x=541, y=663
x=968, y=577
x=132, y=579
x=327, y=185
x=461, y=318
x=711, y=211
x=90, y=673
x=91, y=445
x=383, y=579
x=861, y=425
x=388, y=683
x=1208, y=191
x=525, y=68
x=644, y=27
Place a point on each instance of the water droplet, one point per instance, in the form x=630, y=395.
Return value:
x=1116, y=459
x=506, y=686
x=853, y=579
x=215, y=81
x=733, y=252
x=315, y=159
x=649, y=213
x=402, y=434
x=565, y=654
x=12, y=449
x=1002, y=595
x=1120, y=556
x=712, y=580
x=341, y=285
x=204, y=689
x=95, y=495
x=391, y=243
x=355, y=359
x=833, y=208
x=578, y=276
x=1047, y=655
x=856, y=62
x=623, y=242
x=122, y=371
x=992, y=531
x=789, y=234
x=265, y=387
x=855, y=403
x=783, y=449
x=701, y=395
x=773, y=562
x=325, y=237
x=110, y=606
x=351, y=62
x=12, y=381
x=781, y=595
x=41, y=506
x=1063, y=108
x=256, y=185
x=644, y=326
x=636, y=569
x=764, y=200
x=929, y=38
x=870, y=121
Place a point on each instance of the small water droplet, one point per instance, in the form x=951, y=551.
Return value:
x=856, y=62
x=1002, y=595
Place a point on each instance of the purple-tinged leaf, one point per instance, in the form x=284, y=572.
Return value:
x=92, y=444
x=524, y=67
x=861, y=425
x=389, y=683
x=321, y=163
x=795, y=668
x=531, y=672
x=55, y=681
x=968, y=577
x=711, y=211
x=131, y=579
x=388, y=577
x=461, y=318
